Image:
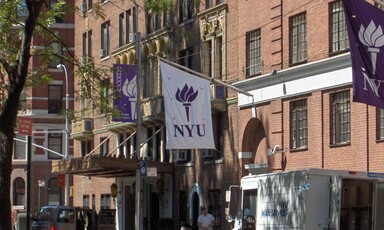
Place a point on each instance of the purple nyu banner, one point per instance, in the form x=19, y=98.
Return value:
x=124, y=81
x=364, y=23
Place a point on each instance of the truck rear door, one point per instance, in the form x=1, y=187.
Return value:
x=378, y=220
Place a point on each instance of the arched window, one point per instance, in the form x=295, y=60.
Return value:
x=54, y=192
x=19, y=192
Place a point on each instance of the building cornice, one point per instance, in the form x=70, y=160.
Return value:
x=295, y=73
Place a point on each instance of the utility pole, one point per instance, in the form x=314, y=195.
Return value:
x=66, y=192
x=138, y=214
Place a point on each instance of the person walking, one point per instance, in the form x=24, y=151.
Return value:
x=205, y=220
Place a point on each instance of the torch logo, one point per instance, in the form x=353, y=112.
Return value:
x=186, y=95
x=372, y=37
x=129, y=89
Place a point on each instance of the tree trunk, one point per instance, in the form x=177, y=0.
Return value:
x=6, y=143
x=17, y=73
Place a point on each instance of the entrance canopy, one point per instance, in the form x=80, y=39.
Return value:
x=102, y=166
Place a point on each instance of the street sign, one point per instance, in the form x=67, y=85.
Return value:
x=143, y=168
x=152, y=171
x=25, y=126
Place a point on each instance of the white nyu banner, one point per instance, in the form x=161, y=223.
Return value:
x=187, y=102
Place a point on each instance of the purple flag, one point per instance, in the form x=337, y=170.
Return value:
x=364, y=23
x=124, y=81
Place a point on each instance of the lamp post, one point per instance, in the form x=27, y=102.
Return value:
x=41, y=185
x=66, y=191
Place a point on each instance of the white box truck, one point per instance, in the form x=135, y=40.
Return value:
x=308, y=199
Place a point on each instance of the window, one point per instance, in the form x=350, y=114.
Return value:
x=186, y=10
x=339, y=35
x=105, y=201
x=340, y=118
x=154, y=147
x=54, y=143
x=153, y=22
x=208, y=4
x=121, y=29
x=86, y=147
x=213, y=55
x=182, y=155
x=85, y=201
x=54, y=98
x=54, y=192
x=299, y=124
x=90, y=4
x=298, y=39
x=104, y=46
x=104, y=147
x=253, y=56
x=66, y=215
x=21, y=10
x=186, y=57
x=55, y=55
x=104, y=96
x=379, y=124
x=90, y=44
x=19, y=151
x=18, y=191
x=214, y=206
x=84, y=45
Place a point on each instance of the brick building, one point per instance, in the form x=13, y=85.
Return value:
x=300, y=82
x=296, y=63
x=105, y=151
x=45, y=105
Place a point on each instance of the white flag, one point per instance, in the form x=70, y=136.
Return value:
x=187, y=102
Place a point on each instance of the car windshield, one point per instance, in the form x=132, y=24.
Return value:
x=45, y=214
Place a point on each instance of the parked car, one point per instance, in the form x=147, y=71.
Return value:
x=73, y=218
x=55, y=218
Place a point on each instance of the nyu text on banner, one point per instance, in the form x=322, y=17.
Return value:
x=187, y=109
x=124, y=81
x=364, y=24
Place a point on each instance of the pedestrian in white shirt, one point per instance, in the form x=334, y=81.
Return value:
x=205, y=220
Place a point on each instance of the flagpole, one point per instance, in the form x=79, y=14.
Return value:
x=206, y=77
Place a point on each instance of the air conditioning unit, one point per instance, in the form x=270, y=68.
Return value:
x=180, y=155
x=218, y=91
x=103, y=52
x=132, y=37
x=82, y=7
x=206, y=153
x=83, y=60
